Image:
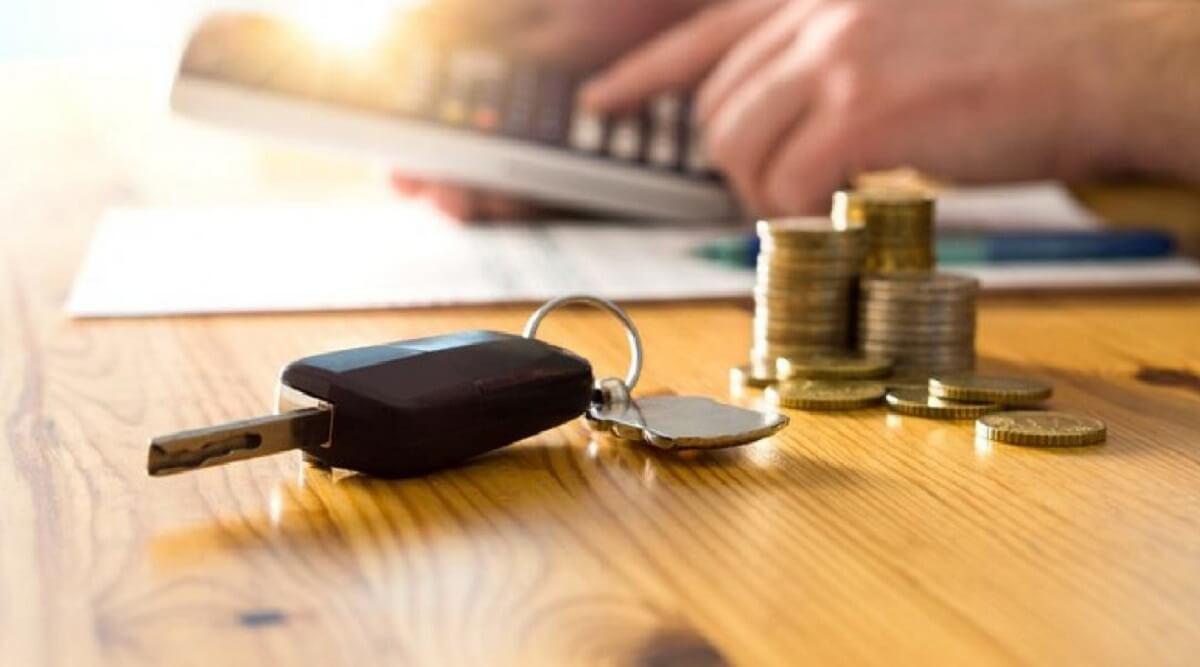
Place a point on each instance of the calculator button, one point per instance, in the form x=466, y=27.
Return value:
x=665, y=137
x=416, y=88
x=486, y=119
x=555, y=99
x=487, y=97
x=625, y=143
x=587, y=131
x=452, y=112
x=665, y=110
x=663, y=150
x=522, y=98
x=463, y=71
x=697, y=158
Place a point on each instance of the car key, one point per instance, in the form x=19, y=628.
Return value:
x=412, y=407
x=400, y=409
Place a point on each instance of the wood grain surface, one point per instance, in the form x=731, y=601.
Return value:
x=860, y=538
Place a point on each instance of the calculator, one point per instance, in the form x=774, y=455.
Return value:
x=470, y=114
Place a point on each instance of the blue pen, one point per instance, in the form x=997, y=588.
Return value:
x=1033, y=246
x=994, y=248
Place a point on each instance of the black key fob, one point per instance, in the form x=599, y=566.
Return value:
x=414, y=406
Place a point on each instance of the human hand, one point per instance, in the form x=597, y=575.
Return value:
x=575, y=33
x=579, y=33
x=797, y=99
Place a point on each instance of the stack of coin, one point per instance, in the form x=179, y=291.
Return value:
x=807, y=277
x=899, y=228
x=923, y=321
x=966, y=395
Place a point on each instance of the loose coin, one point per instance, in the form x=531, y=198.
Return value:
x=825, y=394
x=918, y=403
x=833, y=367
x=990, y=388
x=1039, y=428
x=755, y=375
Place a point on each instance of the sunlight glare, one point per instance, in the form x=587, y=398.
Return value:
x=350, y=28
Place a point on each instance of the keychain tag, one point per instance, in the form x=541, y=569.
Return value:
x=665, y=422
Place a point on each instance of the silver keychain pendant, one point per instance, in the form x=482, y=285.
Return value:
x=665, y=422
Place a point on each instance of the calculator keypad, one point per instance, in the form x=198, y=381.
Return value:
x=467, y=88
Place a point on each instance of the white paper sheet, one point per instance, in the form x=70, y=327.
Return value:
x=160, y=261
x=1037, y=205
x=280, y=258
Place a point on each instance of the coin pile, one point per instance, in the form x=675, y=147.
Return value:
x=913, y=327
x=807, y=275
x=899, y=228
x=966, y=396
x=923, y=321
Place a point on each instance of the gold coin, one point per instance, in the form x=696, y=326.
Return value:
x=921, y=283
x=768, y=348
x=825, y=394
x=1043, y=429
x=918, y=403
x=806, y=226
x=811, y=271
x=910, y=352
x=910, y=316
x=800, y=329
x=833, y=367
x=907, y=380
x=870, y=206
x=872, y=333
x=990, y=388
x=755, y=375
x=884, y=265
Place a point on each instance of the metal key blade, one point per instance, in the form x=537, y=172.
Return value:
x=237, y=441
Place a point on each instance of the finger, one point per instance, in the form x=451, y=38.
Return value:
x=406, y=185
x=498, y=206
x=455, y=202
x=809, y=165
x=749, y=55
x=677, y=58
x=744, y=130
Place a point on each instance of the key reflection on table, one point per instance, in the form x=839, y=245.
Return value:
x=324, y=506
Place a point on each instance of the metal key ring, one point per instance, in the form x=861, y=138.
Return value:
x=631, y=331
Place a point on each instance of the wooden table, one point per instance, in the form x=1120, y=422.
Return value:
x=857, y=538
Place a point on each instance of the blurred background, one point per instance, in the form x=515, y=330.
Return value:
x=86, y=85
x=41, y=28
